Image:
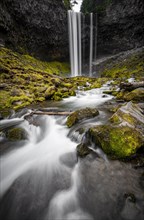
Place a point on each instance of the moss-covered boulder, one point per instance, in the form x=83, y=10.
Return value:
x=122, y=136
x=50, y=92
x=80, y=115
x=16, y=134
x=117, y=141
x=135, y=95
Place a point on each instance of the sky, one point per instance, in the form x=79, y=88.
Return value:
x=77, y=7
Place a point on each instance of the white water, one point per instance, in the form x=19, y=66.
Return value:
x=45, y=174
x=91, y=44
x=77, y=26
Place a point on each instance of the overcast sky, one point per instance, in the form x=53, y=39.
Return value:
x=77, y=7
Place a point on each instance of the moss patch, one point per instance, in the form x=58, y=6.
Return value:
x=131, y=66
x=16, y=134
x=118, y=142
x=81, y=114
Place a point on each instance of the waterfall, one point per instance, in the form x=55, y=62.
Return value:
x=91, y=44
x=82, y=38
x=74, y=20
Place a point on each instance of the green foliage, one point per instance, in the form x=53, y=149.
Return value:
x=67, y=4
x=94, y=6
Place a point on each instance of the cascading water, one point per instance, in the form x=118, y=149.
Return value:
x=82, y=41
x=44, y=180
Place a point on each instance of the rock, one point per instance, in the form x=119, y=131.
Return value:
x=16, y=134
x=80, y=115
x=117, y=141
x=1, y=117
x=135, y=95
x=50, y=92
x=120, y=24
x=131, y=115
x=37, y=27
x=122, y=136
x=83, y=150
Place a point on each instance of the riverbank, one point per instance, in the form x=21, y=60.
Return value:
x=25, y=80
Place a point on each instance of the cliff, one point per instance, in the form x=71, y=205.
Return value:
x=38, y=27
x=120, y=24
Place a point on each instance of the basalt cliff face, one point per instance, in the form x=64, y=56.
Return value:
x=120, y=24
x=38, y=27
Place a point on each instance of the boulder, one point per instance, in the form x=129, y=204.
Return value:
x=50, y=92
x=122, y=136
x=117, y=141
x=135, y=95
x=16, y=134
x=81, y=114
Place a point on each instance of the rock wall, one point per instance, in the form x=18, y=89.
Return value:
x=120, y=24
x=35, y=26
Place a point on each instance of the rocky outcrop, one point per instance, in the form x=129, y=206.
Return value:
x=120, y=24
x=37, y=27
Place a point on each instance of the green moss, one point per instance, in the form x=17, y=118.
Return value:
x=132, y=66
x=119, y=142
x=72, y=119
x=27, y=79
x=50, y=92
x=16, y=134
x=80, y=115
x=40, y=99
x=135, y=95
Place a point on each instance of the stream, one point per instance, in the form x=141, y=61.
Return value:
x=43, y=179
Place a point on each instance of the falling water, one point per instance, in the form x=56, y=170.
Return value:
x=78, y=38
x=74, y=20
x=91, y=44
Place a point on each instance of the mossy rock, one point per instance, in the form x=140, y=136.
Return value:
x=80, y=115
x=50, y=92
x=16, y=134
x=118, y=142
x=23, y=75
x=135, y=95
x=83, y=150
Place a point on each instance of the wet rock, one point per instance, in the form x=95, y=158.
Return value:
x=131, y=115
x=16, y=134
x=117, y=141
x=135, y=95
x=83, y=150
x=1, y=117
x=122, y=136
x=81, y=114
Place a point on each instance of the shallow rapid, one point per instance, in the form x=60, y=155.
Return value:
x=43, y=179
